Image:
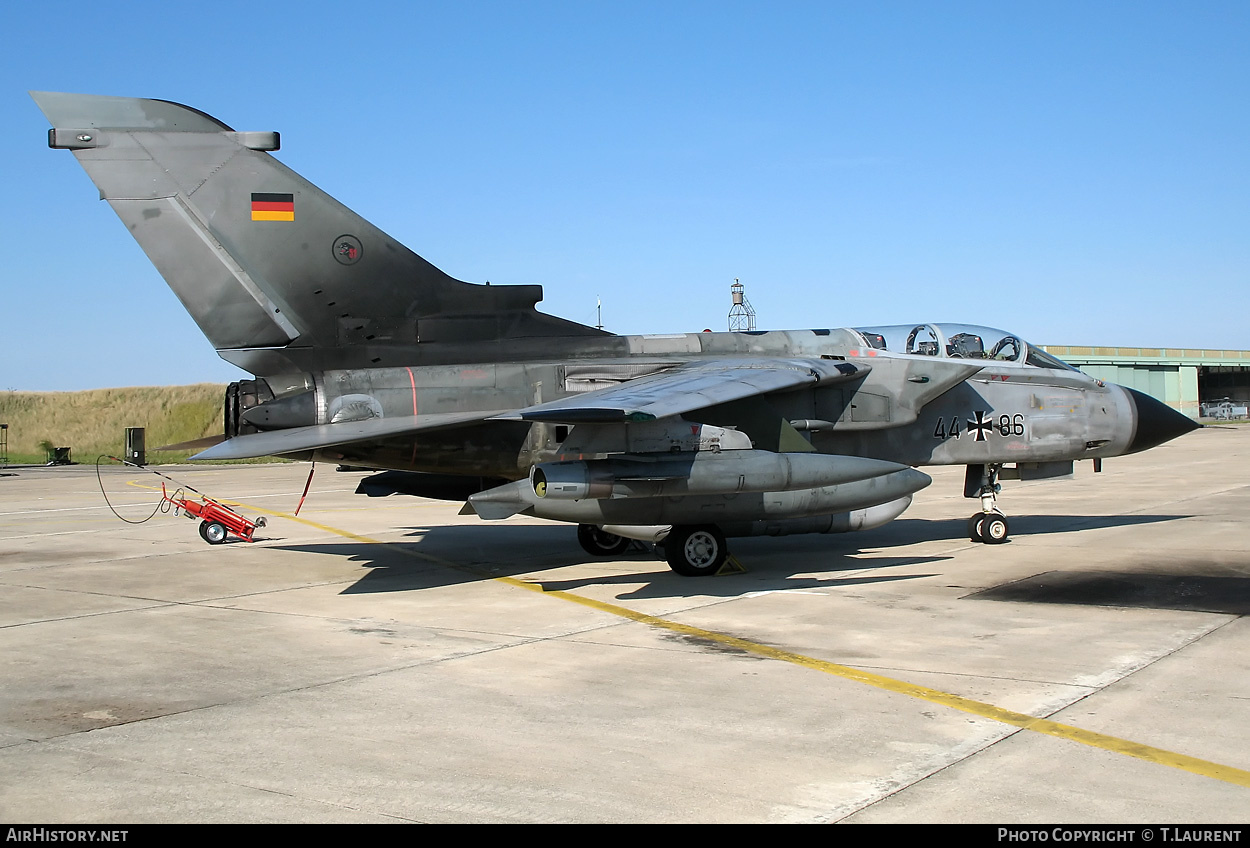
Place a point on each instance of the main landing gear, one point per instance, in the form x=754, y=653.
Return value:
x=694, y=550
x=598, y=542
x=990, y=524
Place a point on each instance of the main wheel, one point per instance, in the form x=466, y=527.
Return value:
x=214, y=532
x=994, y=529
x=596, y=542
x=695, y=551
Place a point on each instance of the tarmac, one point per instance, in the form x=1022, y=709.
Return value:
x=388, y=660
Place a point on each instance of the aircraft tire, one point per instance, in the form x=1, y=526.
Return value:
x=995, y=529
x=596, y=542
x=695, y=550
x=213, y=532
x=975, y=527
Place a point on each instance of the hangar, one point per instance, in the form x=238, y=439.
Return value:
x=1183, y=378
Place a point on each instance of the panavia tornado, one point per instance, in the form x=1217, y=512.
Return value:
x=365, y=354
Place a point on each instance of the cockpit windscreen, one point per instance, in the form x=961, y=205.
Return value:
x=960, y=341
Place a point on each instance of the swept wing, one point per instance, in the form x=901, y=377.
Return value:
x=688, y=388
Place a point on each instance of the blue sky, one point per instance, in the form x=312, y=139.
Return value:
x=1078, y=173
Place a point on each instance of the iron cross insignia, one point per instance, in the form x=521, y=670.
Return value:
x=983, y=425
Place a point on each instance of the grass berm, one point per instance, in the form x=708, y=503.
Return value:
x=94, y=422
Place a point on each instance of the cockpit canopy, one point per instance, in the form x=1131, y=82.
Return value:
x=959, y=341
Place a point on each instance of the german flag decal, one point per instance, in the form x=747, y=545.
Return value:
x=272, y=207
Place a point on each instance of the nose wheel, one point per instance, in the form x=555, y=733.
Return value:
x=991, y=528
x=990, y=524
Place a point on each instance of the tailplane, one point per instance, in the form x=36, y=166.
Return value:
x=275, y=271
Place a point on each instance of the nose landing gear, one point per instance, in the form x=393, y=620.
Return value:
x=990, y=524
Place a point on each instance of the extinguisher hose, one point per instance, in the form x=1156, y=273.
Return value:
x=106, y=496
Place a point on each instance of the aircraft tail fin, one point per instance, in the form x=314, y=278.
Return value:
x=263, y=259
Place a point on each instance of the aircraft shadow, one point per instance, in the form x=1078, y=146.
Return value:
x=433, y=557
x=906, y=531
x=669, y=585
x=446, y=556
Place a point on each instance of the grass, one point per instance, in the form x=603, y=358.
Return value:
x=94, y=422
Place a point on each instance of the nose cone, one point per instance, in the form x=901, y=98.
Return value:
x=1156, y=422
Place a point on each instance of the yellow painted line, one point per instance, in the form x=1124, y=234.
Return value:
x=1150, y=754
x=1114, y=744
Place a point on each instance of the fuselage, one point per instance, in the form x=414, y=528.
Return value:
x=943, y=403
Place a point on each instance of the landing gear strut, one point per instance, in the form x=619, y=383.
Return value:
x=990, y=524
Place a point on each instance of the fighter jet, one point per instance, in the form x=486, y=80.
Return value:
x=365, y=354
